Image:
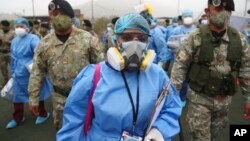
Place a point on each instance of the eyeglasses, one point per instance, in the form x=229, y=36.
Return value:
x=132, y=36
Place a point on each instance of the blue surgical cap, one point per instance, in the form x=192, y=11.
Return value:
x=131, y=21
x=187, y=13
x=174, y=20
x=22, y=21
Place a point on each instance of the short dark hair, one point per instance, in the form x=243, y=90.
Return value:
x=179, y=18
x=36, y=22
x=30, y=23
x=113, y=21
x=45, y=25
x=87, y=23
x=5, y=23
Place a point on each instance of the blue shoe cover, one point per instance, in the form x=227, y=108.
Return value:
x=40, y=119
x=13, y=123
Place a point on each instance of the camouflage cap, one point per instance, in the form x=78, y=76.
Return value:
x=228, y=4
x=63, y=6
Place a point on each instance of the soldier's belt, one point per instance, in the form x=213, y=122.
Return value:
x=61, y=91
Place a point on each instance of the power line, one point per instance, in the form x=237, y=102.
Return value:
x=92, y=10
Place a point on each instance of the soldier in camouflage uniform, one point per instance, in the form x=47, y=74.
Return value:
x=6, y=35
x=61, y=55
x=87, y=26
x=211, y=58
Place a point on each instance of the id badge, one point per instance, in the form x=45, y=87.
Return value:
x=126, y=136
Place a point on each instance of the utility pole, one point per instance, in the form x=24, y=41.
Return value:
x=245, y=11
x=178, y=12
x=33, y=9
x=92, y=10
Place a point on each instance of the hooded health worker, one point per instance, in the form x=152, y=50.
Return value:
x=157, y=40
x=22, y=52
x=184, y=29
x=125, y=94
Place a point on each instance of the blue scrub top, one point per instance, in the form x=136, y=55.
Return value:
x=112, y=107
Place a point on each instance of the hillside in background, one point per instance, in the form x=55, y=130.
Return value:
x=107, y=8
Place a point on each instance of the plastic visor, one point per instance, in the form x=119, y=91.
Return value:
x=139, y=8
x=175, y=41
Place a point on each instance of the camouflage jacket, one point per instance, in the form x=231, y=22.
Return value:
x=189, y=52
x=5, y=41
x=61, y=62
x=92, y=32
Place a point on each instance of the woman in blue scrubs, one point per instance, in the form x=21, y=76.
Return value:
x=125, y=94
x=22, y=52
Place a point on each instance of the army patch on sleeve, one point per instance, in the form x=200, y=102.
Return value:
x=181, y=55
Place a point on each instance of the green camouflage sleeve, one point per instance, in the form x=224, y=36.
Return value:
x=36, y=77
x=244, y=74
x=182, y=61
x=96, y=54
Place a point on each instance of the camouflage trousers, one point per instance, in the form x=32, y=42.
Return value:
x=4, y=62
x=58, y=102
x=206, y=116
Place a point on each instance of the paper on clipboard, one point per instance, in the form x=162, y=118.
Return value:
x=158, y=106
x=174, y=42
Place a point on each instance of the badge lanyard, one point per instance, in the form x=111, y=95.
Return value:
x=135, y=109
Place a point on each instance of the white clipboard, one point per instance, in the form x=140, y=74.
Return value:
x=158, y=106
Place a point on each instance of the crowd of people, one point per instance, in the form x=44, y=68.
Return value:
x=106, y=88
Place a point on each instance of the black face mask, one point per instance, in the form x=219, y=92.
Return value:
x=6, y=30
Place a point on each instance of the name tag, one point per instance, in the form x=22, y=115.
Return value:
x=126, y=136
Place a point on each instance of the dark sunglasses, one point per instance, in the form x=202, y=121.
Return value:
x=131, y=36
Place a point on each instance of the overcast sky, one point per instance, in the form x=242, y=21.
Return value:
x=24, y=7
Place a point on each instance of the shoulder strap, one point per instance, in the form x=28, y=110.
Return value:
x=206, y=50
x=235, y=46
x=90, y=109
